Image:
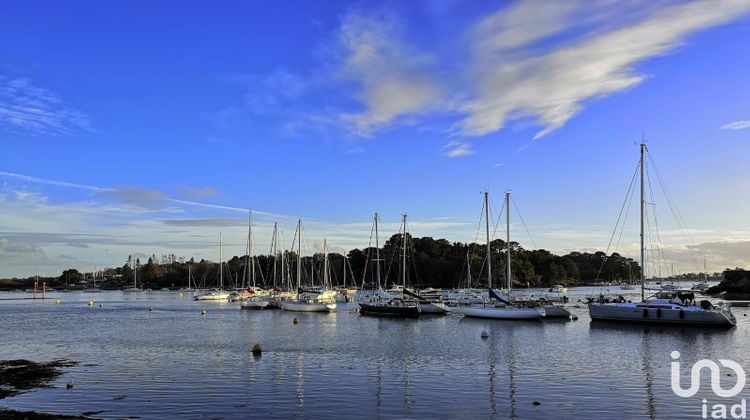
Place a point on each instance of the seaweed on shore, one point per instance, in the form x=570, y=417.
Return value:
x=33, y=415
x=17, y=376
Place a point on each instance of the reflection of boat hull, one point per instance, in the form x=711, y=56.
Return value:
x=92, y=290
x=132, y=290
x=503, y=313
x=292, y=306
x=254, y=304
x=388, y=310
x=660, y=314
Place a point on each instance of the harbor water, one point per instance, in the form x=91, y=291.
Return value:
x=174, y=362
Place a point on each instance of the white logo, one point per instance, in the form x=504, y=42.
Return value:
x=714, y=369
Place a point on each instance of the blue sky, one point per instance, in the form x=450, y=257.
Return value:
x=147, y=127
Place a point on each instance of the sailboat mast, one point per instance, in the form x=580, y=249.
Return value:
x=246, y=274
x=487, y=231
x=403, y=257
x=299, y=255
x=135, y=274
x=507, y=241
x=275, y=251
x=325, y=263
x=643, y=209
x=252, y=249
x=377, y=251
x=221, y=265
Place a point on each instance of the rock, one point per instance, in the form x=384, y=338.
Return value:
x=735, y=286
x=68, y=386
x=536, y=403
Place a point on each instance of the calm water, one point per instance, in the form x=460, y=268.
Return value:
x=172, y=362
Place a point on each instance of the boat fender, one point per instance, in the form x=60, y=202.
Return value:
x=682, y=314
x=645, y=313
x=658, y=312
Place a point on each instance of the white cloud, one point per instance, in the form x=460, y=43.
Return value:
x=458, y=149
x=31, y=110
x=551, y=87
x=736, y=125
x=392, y=79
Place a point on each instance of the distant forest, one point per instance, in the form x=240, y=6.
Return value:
x=430, y=263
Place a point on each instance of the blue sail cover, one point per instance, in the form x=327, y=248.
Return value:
x=498, y=297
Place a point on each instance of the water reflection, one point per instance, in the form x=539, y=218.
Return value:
x=346, y=365
x=649, y=374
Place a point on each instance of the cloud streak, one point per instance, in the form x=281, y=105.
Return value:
x=552, y=87
x=736, y=125
x=31, y=110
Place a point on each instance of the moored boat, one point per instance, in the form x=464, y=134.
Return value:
x=666, y=307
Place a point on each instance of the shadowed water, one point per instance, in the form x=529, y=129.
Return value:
x=173, y=362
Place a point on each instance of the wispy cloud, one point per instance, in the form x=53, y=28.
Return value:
x=393, y=79
x=457, y=149
x=263, y=95
x=736, y=125
x=52, y=182
x=199, y=192
x=31, y=110
x=553, y=86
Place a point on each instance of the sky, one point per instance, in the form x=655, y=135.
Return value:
x=139, y=128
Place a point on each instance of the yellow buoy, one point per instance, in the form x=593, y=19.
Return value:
x=203, y=312
x=91, y=303
x=295, y=321
x=58, y=301
x=257, y=350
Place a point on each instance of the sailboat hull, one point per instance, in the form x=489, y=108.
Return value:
x=254, y=304
x=664, y=315
x=214, y=296
x=433, y=309
x=292, y=306
x=556, y=311
x=388, y=310
x=504, y=313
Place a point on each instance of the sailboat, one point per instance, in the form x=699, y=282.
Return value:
x=383, y=304
x=504, y=309
x=216, y=294
x=301, y=303
x=188, y=288
x=92, y=289
x=254, y=302
x=666, y=307
x=425, y=307
x=135, y=288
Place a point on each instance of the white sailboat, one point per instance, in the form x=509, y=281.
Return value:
x=216, y=294
x=301, y=304
x=135, y=288
x=254, y=302
x=188, y=288
x=504, y=309
x=666, y=307
x=92, y=289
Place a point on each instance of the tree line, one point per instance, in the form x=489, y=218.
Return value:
x=430, y=262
